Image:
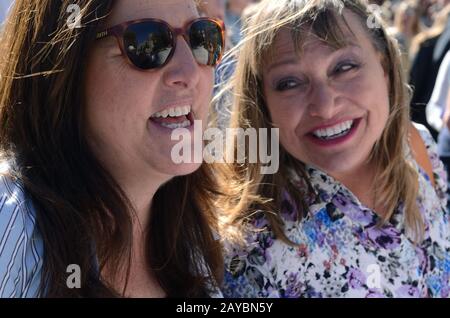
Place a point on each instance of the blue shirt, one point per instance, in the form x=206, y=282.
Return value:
x=21, y=245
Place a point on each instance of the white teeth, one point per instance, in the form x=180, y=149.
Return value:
x=335, y=131
x=173, y=112
x=330, y=132
x=184, y=124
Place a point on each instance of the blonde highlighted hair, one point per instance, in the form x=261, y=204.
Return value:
x=396, y=179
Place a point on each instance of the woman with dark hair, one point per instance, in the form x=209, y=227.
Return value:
x=85, y=134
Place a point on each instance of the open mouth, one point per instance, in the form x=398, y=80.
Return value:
x=336, y=133
x=173, y=118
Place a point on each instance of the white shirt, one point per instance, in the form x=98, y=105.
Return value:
x=437, y=104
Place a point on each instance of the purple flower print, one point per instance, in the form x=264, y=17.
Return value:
x=408, y=291
x=363, y=216
x=257, y=256
x=386, y=237
x=293, y=286
x=288, y=209
x=356, y=278
x=265, y=240
x=375, y=293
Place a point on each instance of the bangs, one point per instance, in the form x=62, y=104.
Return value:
x=322, y=19
x=327, y=25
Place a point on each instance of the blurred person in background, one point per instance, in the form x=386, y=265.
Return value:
x=377, y=2
x=224, y=73
x=428, y=48
x=406, y=26
x=233, y=19
x=438, y=114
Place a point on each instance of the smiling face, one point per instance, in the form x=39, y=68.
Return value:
x=124, y=105
x=331, y=106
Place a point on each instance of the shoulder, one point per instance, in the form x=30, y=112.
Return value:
x=430, y=145
x=20, y=242
x=439, y=172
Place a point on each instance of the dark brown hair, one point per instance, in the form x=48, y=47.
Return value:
x=82, y=213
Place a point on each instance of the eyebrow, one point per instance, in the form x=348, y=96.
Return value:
x=294, y=60
x=109, y=45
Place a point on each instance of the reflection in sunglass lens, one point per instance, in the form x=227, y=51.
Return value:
x=206, y=42
x=148, y=44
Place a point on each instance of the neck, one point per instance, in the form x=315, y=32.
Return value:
x=140, y=190
x=360, y=182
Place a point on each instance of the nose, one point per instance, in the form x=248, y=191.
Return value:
x=182, y=70
x=322, y=101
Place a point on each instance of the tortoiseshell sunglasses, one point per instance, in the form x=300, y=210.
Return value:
x=150, y=43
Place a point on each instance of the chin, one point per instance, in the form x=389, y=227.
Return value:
x=338, y=167
x=177, y=170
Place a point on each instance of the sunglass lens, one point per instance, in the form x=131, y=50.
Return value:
x=206, y=40
x=148, y=44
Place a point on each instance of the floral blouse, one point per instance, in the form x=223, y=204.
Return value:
x=342, y=252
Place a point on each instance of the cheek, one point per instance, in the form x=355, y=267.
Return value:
x=205, y=90
x=208, y=83
x=376, y=101
x=283, y=118
x=380, y=96
x=113, y=83
x=285, y=112
x=118, y=98
x=103, y=77
x=287, y=116
x=107, y=101
x=369, y=91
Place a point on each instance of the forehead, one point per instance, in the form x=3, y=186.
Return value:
x=175, y=12
x=352, y=33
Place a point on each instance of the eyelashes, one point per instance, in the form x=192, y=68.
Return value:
x=286, y=84
x=345, y=67
x=341, y=69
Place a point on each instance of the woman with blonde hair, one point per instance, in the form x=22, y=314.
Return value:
x=357, y=208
